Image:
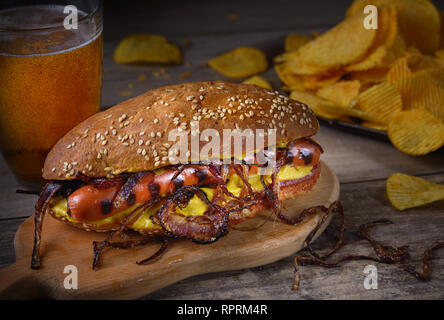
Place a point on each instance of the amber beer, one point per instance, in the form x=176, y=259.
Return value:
x=50, y=80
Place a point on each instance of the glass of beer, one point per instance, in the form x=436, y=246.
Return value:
x=50, y=76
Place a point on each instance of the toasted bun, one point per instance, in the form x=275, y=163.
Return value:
x=133, y=135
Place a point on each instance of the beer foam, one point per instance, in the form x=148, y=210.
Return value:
x=49, y=37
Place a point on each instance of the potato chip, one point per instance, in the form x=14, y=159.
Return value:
x=314, y=103
x=404, y=191
x=416, y=132
x=344, y=44
x=369, y=77
x=425, y=63
x=399, y=70
x=438, y=75
x=292, y=63
x=419, y=20
x=388, y=44
x=241, y=62
x=374, y=125
x=344, y=111
x=313, y=82
x=147, y=48
x=258, y=81
x=413, y=89
x=440, y=54
x=291, y=80
x=340, y=93
x=295, y=41
x=381, y=101
x=421, y=91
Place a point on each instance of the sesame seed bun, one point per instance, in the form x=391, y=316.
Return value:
x=133, y=135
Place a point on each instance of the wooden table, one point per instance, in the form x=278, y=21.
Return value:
x=362, y=164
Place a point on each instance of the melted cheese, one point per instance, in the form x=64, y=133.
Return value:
x=196, y=207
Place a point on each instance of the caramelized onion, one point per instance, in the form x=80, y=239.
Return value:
x=425, y=274
x=102, y=183
x=132, y=216
x=48, y=192
x=126, y=190
x=156, y=254
x=202, y=229
x=384, y=254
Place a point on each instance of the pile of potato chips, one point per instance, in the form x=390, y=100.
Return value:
x=390, y=78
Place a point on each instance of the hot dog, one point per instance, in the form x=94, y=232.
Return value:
x=114, y=170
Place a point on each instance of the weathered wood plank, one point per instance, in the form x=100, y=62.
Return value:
x=200, y=49
x=13, y=205
x=8, y=229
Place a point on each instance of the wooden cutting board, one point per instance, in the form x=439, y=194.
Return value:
x=119, y=277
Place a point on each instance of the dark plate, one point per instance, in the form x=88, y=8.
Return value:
x=355, y=128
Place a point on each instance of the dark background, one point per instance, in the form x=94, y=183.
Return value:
x=201, y=17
